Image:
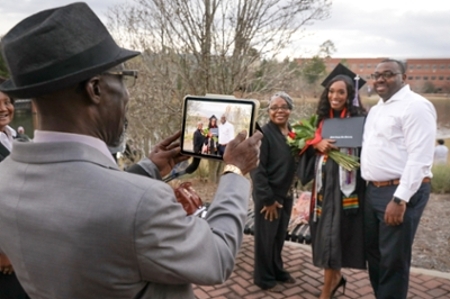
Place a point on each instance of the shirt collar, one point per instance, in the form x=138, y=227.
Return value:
x=53, y=136
x=6, y=137
x=398, y=96
x=10, y=132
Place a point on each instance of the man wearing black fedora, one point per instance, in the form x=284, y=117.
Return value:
x=78, y=227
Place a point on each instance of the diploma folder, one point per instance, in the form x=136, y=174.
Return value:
x=347, y=132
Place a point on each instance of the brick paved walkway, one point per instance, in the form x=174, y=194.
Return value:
x=297, y=261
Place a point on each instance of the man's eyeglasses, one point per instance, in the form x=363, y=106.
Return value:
x=128, y=77
x=385, y=75
x=282, y=108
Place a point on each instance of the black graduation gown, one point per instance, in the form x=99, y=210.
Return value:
x=338, y=238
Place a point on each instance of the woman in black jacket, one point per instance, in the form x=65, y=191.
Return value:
x=272, y=196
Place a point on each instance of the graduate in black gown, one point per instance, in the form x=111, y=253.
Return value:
x=272, y=181
x=336, y=220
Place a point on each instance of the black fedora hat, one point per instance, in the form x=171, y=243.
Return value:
x=57, y=48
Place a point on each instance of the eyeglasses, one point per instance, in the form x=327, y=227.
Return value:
x=385, y=75
x=128, y=77
x=282, y=108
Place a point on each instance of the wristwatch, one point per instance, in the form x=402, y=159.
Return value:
x=399, y=201
x=232, y=168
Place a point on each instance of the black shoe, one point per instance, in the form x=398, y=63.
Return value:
x=342, y=283
x=289, y=280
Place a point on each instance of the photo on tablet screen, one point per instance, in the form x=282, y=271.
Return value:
x=210, y=123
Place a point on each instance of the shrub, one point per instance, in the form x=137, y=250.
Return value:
x=441, y=179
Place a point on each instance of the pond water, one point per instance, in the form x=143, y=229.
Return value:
x=442, y=106
x=443, y=112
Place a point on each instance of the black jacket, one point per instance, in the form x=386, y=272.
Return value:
x=275, y=173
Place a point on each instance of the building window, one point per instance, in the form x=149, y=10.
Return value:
x=433, y=77
x=410, y=78
x=419, y=66
x=411, y=66
x=426, y=66
x=418, y=77
x=442, y=66
x=361, y=66
x=441, y=78
x=448, y=78
x=368, y=77
x=425, y=77
x=369, y=66
x=434, y=66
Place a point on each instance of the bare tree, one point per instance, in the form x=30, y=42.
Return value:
x=205, y=46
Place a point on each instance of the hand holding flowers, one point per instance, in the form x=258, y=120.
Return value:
x=304, y=131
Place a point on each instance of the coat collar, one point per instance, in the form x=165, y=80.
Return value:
x=59, y=152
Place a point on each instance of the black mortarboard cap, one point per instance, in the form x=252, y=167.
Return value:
x=340, y=69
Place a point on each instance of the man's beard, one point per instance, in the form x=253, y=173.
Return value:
x=121, y=142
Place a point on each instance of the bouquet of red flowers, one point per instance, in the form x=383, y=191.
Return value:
x=305, y=130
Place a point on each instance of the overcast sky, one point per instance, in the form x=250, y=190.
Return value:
x=381, y=28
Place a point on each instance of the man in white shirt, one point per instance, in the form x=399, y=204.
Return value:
x=440, y=153
x=226, y=134
x=396, y=160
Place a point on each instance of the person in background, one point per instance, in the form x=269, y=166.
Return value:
x=337, y=217
x=214, y=166
x=10, y=287
x=78, y=227
x=199, y=138
x=226, y=134
x=396, y=160
x=21, y=134
x=272, y=196
x=213, y=135
x=440, y=153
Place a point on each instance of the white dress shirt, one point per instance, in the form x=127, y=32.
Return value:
x=398, y=141
x=226, y=133
x=440, y=154
x=7, y=136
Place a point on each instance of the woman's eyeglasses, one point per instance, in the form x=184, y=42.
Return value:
x=276, y=108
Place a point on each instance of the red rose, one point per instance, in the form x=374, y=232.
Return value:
x=291, y=134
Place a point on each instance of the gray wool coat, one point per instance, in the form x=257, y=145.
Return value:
x=78, y=227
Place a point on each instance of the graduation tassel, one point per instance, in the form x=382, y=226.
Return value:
x=355, y=99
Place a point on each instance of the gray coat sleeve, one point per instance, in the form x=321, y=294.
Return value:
x=173, y=248
x=149, y=169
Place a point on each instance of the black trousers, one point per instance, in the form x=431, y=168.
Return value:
x=389, y=248
x=221, y=149
x=269, y=241
x=10, y=287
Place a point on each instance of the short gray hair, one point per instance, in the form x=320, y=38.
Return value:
x=284, y=96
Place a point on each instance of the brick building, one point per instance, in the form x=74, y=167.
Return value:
x=425, y=75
